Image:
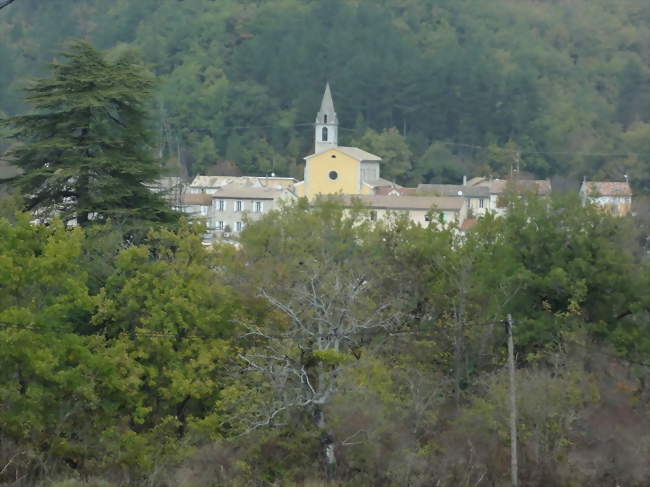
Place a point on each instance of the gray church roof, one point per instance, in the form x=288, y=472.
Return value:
x=353, y=152
x=327, y=104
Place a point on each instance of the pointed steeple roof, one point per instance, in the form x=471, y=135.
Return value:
x=327, y=105
x=326, y=123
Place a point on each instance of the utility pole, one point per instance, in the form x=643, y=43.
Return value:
x=513, y=406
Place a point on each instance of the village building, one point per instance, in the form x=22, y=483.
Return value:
x=613, y=196
x=477, y=198
x=422, y=210
x=226, y=209
x=498, y=189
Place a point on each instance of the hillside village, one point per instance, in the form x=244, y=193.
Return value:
x=226, y=202
x=216, y=269
x=351, y=173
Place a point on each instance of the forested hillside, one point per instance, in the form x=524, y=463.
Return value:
x=452, y=87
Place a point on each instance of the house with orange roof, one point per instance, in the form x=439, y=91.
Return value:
x=613, y=196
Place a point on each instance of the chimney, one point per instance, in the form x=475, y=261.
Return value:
x=464, y=180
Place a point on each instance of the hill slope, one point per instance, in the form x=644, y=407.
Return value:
x=468, y=84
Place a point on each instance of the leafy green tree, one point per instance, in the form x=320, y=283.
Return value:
x=86, y=152
x=54, y=377
x=439, y=165
x=391, y=146
x=575, y=266
x=167, y=306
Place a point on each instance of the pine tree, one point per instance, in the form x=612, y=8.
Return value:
x=85, y=150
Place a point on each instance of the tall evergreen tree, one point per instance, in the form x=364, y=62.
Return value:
x=85, y=150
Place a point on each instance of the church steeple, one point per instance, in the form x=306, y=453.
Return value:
x=327, y=124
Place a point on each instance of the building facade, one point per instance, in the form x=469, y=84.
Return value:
x=614, y=197
x=227, y=209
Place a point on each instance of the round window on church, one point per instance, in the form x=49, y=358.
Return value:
x=333, y=175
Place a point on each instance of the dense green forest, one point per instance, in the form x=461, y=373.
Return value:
x=441, y=88
x=325, y=350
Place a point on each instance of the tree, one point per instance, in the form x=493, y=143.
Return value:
x=315, y=270
x=169, y=306
x=53, y=376
x=5, y=3
x=85, y=151
x=439, y=165
x=391, y=146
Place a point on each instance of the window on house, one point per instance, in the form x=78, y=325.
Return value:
x=325, y=118
x=204, y=210
x=258, y=207
x=481, y=203
x=324, y=134
x=238, y=226
x=221, y=205
x=220, y=225
x=238, y=205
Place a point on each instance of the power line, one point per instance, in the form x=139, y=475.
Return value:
x=458, y=144
x=271, y=125
x=531, y=152
x=550, y=153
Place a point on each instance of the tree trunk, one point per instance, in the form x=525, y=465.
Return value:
x=327, y=444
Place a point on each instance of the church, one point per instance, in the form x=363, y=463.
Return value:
x=335, y=169
x=355, y=173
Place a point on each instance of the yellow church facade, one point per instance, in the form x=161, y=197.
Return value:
x=344, y=170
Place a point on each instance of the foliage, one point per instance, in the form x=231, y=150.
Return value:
x=561, y=81
x=393, y=150
x=327, y=348
x=174, y=316
x=84, y=152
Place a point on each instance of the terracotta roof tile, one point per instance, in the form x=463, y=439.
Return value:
x=606, y=188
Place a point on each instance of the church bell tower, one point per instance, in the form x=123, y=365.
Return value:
x=327, y=124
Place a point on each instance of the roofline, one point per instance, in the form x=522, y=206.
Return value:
x=421, y=208
x=217, y=197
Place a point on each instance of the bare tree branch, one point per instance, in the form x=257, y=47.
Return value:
x=5, y=3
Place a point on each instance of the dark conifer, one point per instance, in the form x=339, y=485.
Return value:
x=85, y=150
